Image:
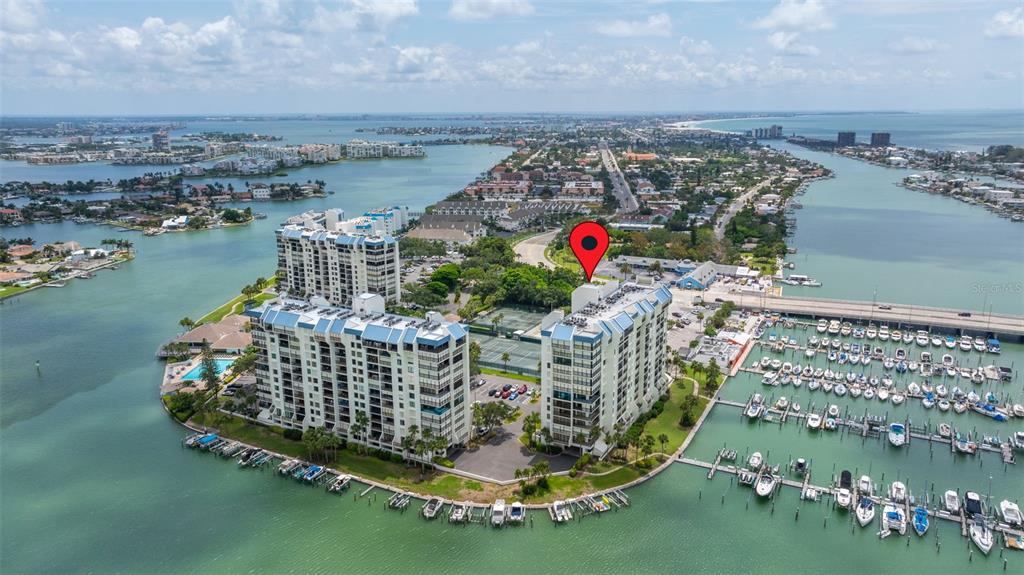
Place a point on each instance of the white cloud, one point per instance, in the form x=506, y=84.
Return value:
x=655, y=25
x=806, y=15
x=487, y=9
x=21, y=14
x=788, y=43
x=696, y=47
x=124, y=38
x=1006, y=24
x=916, y=45
x=527, y=47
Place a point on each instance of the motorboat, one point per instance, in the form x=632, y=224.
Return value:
x=883, y=394
x=766, y=485
x=498, y=513
x=822, y=326
x=908, y=337
x=830, y=424
x=929, y=401
x=871, y=332
x=950, y=342
x=787, y=367
x=562, y=511
x=896, y=335
x=1011, y=513
x=886, y=381
x=516, y=512
x=827, y=386
x=883, y=333
x=913, y=388
x=966, y=343
x=897, y=434
x=855, y=390
x=960, y=406
x=754, y=411
x=945, y=430
x=776, y=364
x=947, y=360
x=844, y=496
x=952, y=501
x=833, y=410
x=943, y=404
x=964, y=445
x=795, y=407
x=800, y=466
x=979, y=344
x=813, y=385
x=920, y=521
x=936, y=341
x=865, y=486
x=926, y=357
x=840, y=389
x=941, y=391
x=865, y=511
x=893, y=520
x=432, y=507
x=782, y=403
x=813, y=421
x=765, y=362
x=898, y=492
x=797, y=381
x=927, y=388
x=869, y=393
x=921, y=338
x=755, y=460
x=770, y=378
x=340, y=484
x=898, y=398
x=888, y=363
x=1017, y=440
x=809, y=352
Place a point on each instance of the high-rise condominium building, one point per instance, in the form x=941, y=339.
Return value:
x=337, y=267
x=360, y=373
x=605, y=362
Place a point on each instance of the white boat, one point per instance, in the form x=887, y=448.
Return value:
x=913, y=388
x=813, y=385
x=871, y=332
x=822, y=326
x=869, y=393
x=516, y=512
x=966, y=343
x=782, y=403
x=898, y=492
x=941, y=391
x=883, y=394
x=754, y=411
x=922, y=338
x=809, y=352
x=979, y=344
x=864, y=485
x=898, y=398
x=843, y=497
x=833, y=410
x=908, y=337
x=813, y=421
x=766, y=485
x=1011, y=513
x=893, y=519
x=840, y=389
x=865, y=511
x=498, y=513
x=755, y=460
x=943, y=404
x=945, y=430
x=981, y=535
x=562, y=511
x=897, y=434
x=952, y=501
x=960, y=406
x=950, y=342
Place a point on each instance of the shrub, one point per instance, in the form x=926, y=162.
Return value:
x=542, y=483
x=573, y=472
x=444, y=462
x=583, y=461
x=529, y=489
x=293, y=434
x=397, y=458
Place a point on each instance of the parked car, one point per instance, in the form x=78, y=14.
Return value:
x=521, y=390
x=513, y=396
x=506, y=387
x=677, y=314
x=492, y=392
x=505, y=394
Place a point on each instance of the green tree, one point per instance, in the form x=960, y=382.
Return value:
x=474, y=358
x=359, y=428
x=187, y=323
x=208, y=363
x=505, y=357
x=662, y=439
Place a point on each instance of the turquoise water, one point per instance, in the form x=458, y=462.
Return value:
x=122, y=496
x=196, y=372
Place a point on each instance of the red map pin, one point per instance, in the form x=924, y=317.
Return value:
x=589, y=242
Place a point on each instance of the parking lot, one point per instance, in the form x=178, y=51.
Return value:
x=501, y=455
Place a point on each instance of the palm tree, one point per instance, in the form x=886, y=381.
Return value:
x=187, y=323
x=260, y=283
x=662, y=439
x=624, y=269
x=580, y=438
x=250, y=292
x=505, y=357
x=409, y=441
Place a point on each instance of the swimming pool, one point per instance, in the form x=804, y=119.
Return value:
x=197, y=371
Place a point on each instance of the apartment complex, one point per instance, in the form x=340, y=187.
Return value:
x=880, y=138
x=337, y=267
x=605, y=362
x=846, y=139
x=363, y=149
x=324, y=366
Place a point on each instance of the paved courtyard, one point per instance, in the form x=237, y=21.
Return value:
x=500, y=457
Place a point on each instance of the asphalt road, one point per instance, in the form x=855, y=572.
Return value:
x=531, y=250
x=736, y=206
x=627, y=201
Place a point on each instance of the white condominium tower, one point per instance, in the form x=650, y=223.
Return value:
x=322, y=366
x=605, y=362
x=337, y=267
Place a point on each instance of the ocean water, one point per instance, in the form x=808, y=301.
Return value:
x=92, y=477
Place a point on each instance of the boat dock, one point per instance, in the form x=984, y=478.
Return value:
x=960, y=518
x=1004, y=326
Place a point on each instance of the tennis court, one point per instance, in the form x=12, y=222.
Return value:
x=512, y=318
x=523, y=356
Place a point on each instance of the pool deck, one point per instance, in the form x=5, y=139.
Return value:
x=174, y=376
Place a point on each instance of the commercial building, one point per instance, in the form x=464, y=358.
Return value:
x=773, y=132
x=362, y=374
x=604, y=363
x=846, y=139
x=337, y=267
x=880, y=138
x=586, y=189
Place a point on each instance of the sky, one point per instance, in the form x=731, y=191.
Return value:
x=64, y=57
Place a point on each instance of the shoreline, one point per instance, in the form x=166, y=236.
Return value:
x=107, y=265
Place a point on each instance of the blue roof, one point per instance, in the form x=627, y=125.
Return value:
x=624, y=321
x=562, y=332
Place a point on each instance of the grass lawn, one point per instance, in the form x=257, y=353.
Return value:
x=236, y=305
x=510, y=375
x=617, y=477
x=8, y=291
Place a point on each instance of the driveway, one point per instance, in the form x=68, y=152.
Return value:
x=499, y=458
x=531, y=250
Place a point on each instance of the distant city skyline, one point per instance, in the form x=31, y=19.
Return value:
x=506, y=56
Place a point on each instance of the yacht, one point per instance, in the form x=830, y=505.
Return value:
x=840, y=389
x=865, y=511
x=834, y=327
x=782, y=403
x=871, y=332
x=979, y=344
x=754, y=411
x=1011, y=513
x=944, y=430
x=883, y=333
x=846, y=329
x=943, y=404
x=897, y=434
x=844, y=496
x=908, y=337
x=922, y=338
x=901, y=354
x=898, y=492
x=913, y=388
x=770, y=378
x=966, y=343
x=822, y=325
x=833, y=410
x=926, y=357
x=813, y=421
x=936, y=341
x=869, y=393
x=950, y=342
x=896, y=335
x=883, y=394
x=865, y=486
x=766, y=485
x=981, y=535
x=893, y=520
x=920, y=520
x=755, y=460
x=898, y=398
x=498, y=513
x=952, y=501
